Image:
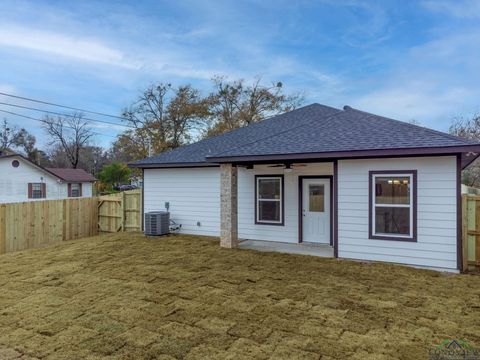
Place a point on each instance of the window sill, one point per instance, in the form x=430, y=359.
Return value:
x=269, y=223
x=393, y=238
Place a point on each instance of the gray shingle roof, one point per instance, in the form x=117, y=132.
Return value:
x=197, y=152
x=311, y=129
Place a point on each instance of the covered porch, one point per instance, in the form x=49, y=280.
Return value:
x=298, y=217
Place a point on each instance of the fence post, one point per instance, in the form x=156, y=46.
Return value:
x=122, y=210
x=3, y=229
x=465, y=232
x=64, y=220
x=140, y=211
x=94, y=216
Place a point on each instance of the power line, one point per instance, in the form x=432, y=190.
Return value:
x=68, y=115
x=44, y=122
x=63, y=106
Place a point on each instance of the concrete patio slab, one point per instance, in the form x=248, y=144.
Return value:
x=321, y=250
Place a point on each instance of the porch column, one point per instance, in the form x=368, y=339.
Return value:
x=228, y=206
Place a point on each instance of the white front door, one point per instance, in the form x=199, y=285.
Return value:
x=316, y=210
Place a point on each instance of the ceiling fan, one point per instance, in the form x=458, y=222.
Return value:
x=288, y=166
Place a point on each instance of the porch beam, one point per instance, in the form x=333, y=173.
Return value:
x=228, y=206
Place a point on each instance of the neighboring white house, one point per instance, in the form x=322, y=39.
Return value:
x=22, y=180
x=369, y=187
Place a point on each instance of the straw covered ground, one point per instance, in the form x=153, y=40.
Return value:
x=124, y=296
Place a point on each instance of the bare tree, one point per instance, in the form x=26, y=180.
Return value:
x=468, y=129
x=20, y=140
x=72, y=134
x=11, y=136
x=187, y=111
x=236, y=103
x=164, y=118
x=147, y=114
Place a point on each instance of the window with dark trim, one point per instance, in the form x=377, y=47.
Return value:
x=37, y=190
x=269, y=199
x=392, y=196
x=74, y=190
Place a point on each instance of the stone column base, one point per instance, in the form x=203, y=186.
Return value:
x=228, y=206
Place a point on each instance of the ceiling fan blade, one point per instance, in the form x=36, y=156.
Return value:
x=279, y=165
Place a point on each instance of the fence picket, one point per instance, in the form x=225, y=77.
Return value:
x=3, y=229
x=471, y=230
x=120, y=212
x=39, y=223
x=34, y=224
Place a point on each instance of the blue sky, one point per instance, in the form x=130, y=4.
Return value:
x=403, y=59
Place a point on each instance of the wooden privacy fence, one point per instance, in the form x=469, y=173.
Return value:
x=38, y=223
x=120, y=212
x=471, y=230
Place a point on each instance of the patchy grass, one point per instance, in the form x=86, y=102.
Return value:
x=124, y=296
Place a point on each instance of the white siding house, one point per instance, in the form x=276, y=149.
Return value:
x=194, y=196
x=247, y=229
x=22, y=180
x=366, y=187
x=436, y=213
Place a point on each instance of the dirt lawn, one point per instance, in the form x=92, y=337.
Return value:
x=124, y=296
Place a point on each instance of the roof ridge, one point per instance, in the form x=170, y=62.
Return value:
x=275, y=134
x=242, y=128
x=65, y=168
x=403, y=123
x=269, y=118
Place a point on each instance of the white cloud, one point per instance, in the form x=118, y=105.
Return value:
x=426, y=82
x=186, y=71
x=432, y=82
x=112, y=129
x=83, y=49
x=9, y=89
x=456, y=8
x=415, y=101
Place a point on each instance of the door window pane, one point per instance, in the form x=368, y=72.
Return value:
x=392, y=220
x=392, y=190
x=316, y=198
x=269, y=211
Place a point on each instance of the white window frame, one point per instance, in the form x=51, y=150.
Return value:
x=42, y=195
x=71, y=189
x=411, y=205
x=258, y=178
